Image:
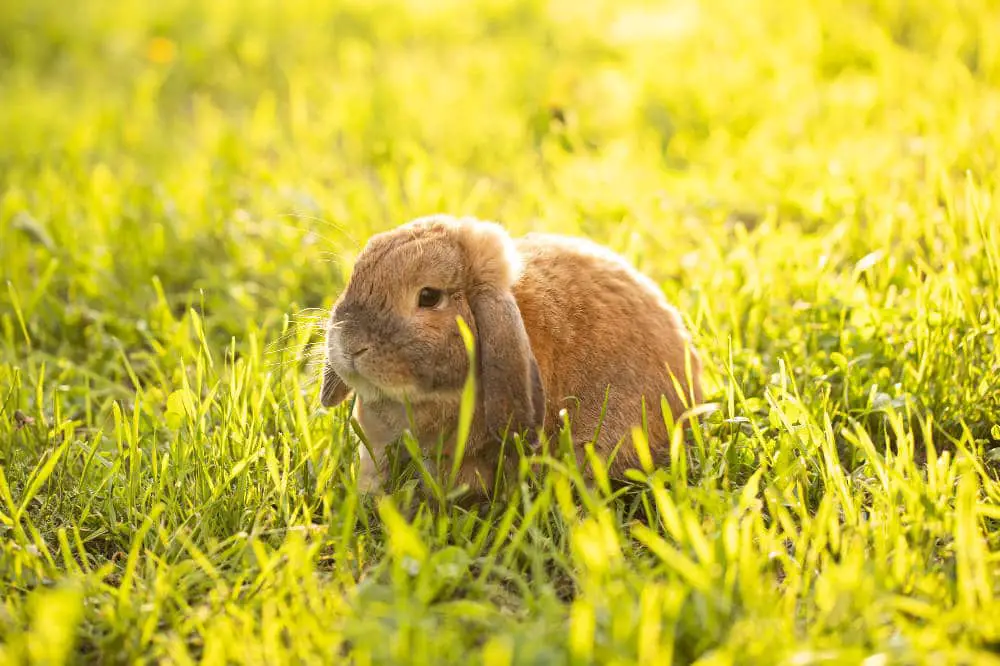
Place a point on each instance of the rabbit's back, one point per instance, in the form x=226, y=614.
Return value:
x=600, y=328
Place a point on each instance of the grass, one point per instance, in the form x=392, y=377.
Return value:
x=183, y=187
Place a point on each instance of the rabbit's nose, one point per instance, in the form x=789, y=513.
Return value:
x=346, y=312
x=337, y=314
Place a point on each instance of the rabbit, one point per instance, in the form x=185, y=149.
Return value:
x=559, y=323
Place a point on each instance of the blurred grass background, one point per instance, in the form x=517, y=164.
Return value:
x=812, y=183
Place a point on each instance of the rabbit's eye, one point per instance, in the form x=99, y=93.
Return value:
x=429, y=298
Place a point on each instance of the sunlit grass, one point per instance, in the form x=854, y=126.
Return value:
x=183, y=187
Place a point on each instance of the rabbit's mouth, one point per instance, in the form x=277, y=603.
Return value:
x=363, y=369
x=371, y=389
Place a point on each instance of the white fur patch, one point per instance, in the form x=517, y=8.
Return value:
x=369, y=478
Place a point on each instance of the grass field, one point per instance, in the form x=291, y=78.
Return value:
x=183, y=186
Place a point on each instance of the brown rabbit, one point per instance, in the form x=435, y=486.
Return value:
x=559, y=323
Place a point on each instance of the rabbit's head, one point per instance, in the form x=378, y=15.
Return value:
x=393, y=333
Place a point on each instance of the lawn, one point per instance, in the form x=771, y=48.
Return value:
x=184, y=186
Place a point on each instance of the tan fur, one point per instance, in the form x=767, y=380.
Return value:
x=562, y=310
x=598, y=325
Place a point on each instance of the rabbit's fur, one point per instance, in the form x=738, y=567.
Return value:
x=559, y=322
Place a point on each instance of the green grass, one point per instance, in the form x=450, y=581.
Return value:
x=183, y=186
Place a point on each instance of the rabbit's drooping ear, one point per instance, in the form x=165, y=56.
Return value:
x=509, y=378
x=334, y=390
